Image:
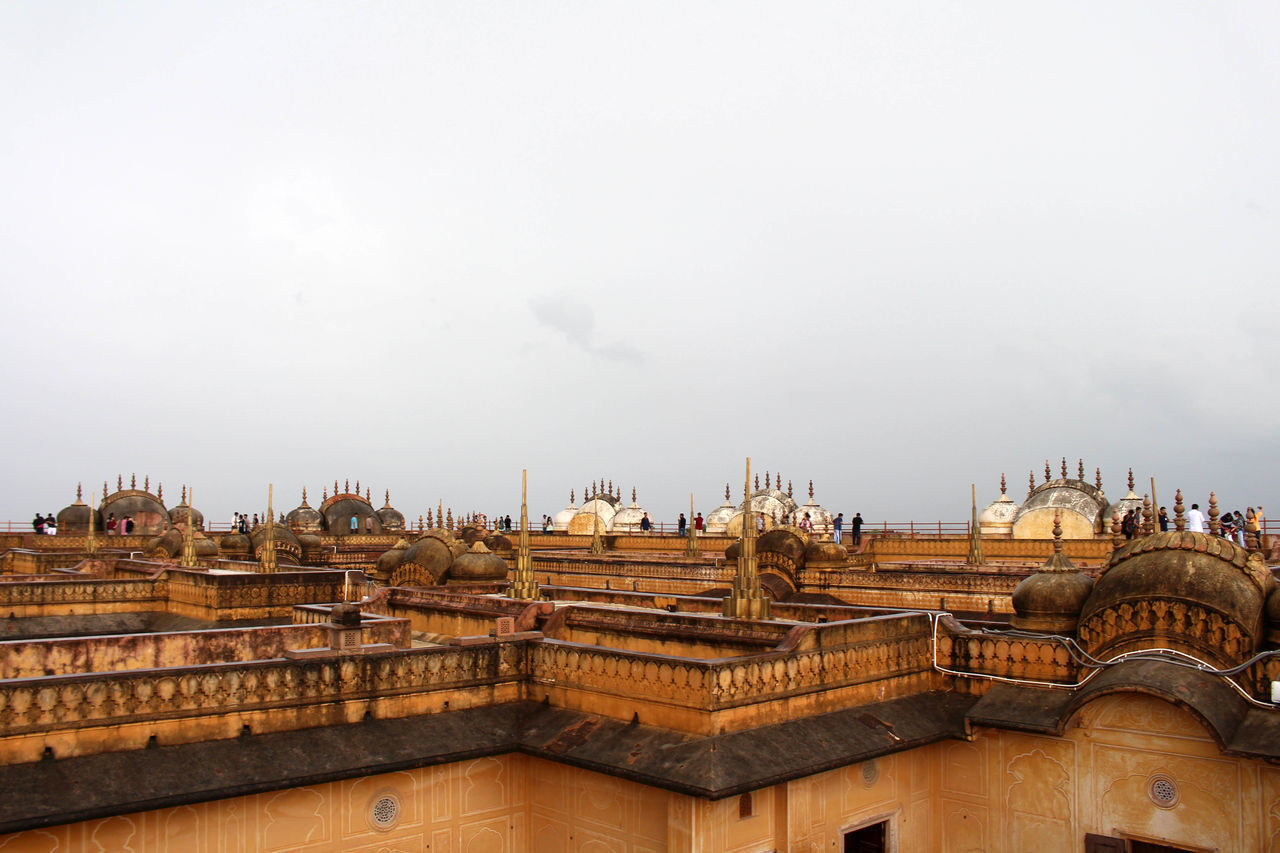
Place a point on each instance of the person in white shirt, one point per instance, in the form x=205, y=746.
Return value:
x=1195, y=519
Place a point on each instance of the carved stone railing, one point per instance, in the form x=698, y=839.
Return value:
x=57, y=592
x=985, y=654
x=711, y=685
x=73, y=701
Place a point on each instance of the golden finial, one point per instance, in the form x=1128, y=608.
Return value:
x=387, y=501
x=1064, y=467
x=1080, y=468
x=440, y=515
x=1214, y=527
x=357, y=488
x=304, y=495
x=430, y=517
x=1097, y=478
x=1131, y=480
x=1179, y=521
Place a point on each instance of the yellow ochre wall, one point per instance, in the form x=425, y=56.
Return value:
x=1003, y=791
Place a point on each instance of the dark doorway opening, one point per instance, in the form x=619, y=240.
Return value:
x=869, y=839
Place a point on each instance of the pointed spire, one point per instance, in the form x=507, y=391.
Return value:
x=357, y=488
x=430, y=518
x=440, y=515
x=448, y=519
x=146, y=483
x=368, y=494
x=91, y=544
x=1058, y=561
x=1214, y=527
x=189, y=533
x=766, y=479
x=611, y=487
x=324, y=494
x=976, y=557
x=1031, y=482
x=335, y=488
x=726, y=492
x=304, y=496
x=523, y=584
x=119, y=483
x=757, y=482
x=346, y=487
x=267, y=559
x=183, y=501
x=1130, y=481
x=571, y=501
x=79, y=500
x=691, y=545
x=747, y=599
x=1179, y=520
x=633, y=495
x=160, y=492
x=1064, y=467
x=133, y=482
x=1003, y=489
x=1057, y=531
x=1081, y=469
x=811, y=491
x=1097, y=478
x=597, y=543
x=1047, y=475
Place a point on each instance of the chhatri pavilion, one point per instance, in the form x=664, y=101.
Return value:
x=343, y=678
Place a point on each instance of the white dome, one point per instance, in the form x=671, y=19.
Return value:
x=627, y=520
x=563, y=517
x=819, y=517
x=718, y=519
x=582, y=520
x=998, y=516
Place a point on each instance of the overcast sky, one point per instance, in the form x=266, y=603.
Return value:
x=894, y=248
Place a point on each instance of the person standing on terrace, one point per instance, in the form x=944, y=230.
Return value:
x=837, y=527
x=682, y=523
x=856, y=525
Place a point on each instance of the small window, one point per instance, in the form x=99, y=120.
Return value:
x=745, y=807
x=868, y=839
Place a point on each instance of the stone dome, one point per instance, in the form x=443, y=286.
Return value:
x=340, y=509
x=168, y=544
x=234, y=545
x=179, y=514
x=206, y=547
x=1193, y=592
x=583, y=522
x=389, y=517
x=303, y=518
x=825, y=551
x=150, y=518
x=389, y=560
x=775, y=505
x=75, y=517
x=288, y=548
x=996, y=518
x=627, y=519
x=499, y=544
x=478, y=564
x=563, y=517
x=819, y=518
x=430, y=554
x=717, y=521
x=1081, y=507
x=1050, y=600
x=734, y=525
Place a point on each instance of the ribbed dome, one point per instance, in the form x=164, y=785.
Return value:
x=304, y=519
x=429, y=553
x=627, y=519
x=179, y=514
x=478, y=564
x=234, y=545
x=826, y=551
x=1050, y=600
x=75, y=518
x=389, y=560
x=997, y=517
x=717, y=521
x=564, y=516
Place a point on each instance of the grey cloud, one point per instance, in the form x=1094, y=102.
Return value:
x=577, y=323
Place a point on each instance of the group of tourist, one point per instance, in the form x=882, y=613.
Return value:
x=45, y=525
x=123, y=527
x=1245, y=529
x=240, y=522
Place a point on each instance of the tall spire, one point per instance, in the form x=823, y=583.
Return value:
x=747, y=599
x=597, y=543
x=523, y=585
x=976, y=557
x=91, y=544
x=267, y=559
x=691, y=547
x=189, y=533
